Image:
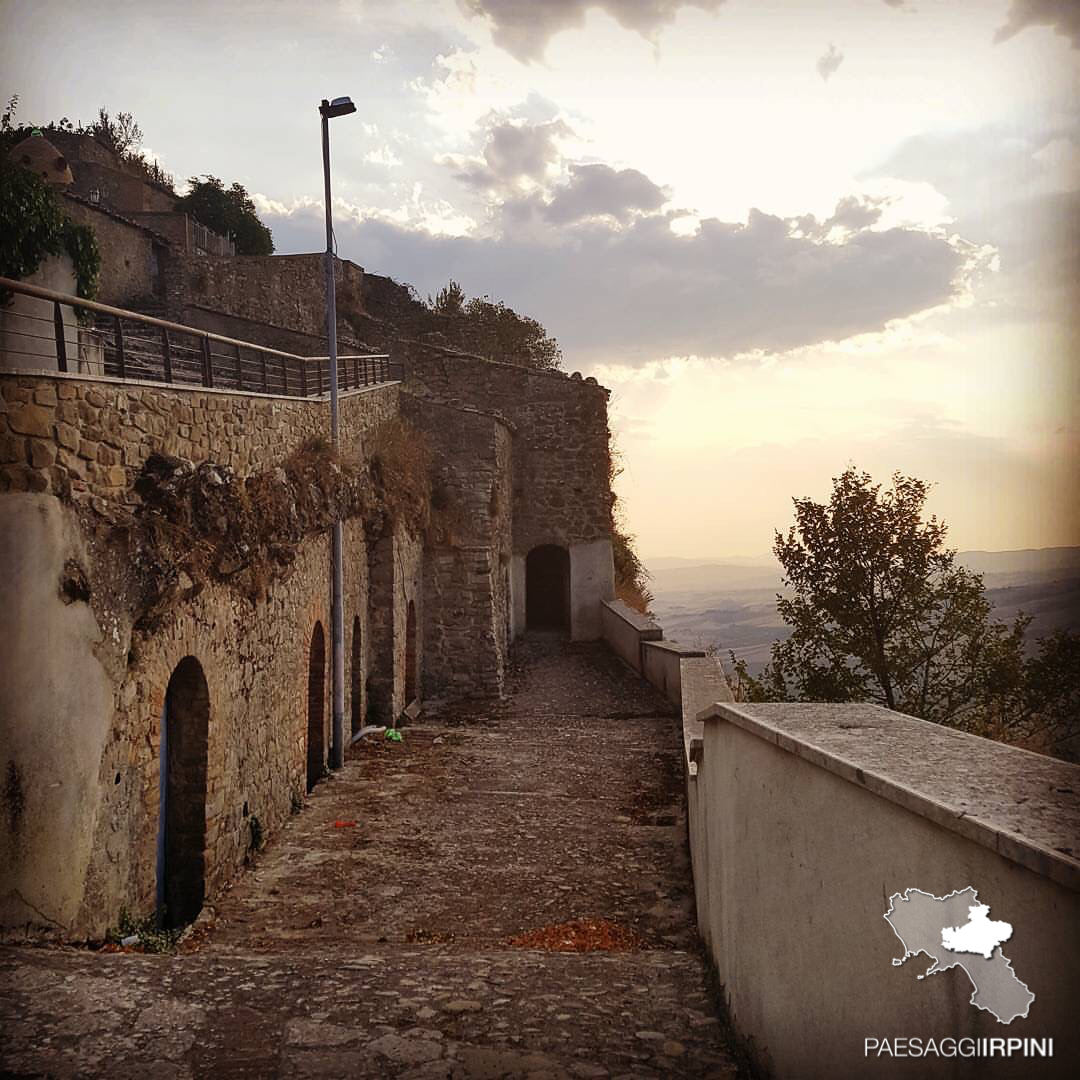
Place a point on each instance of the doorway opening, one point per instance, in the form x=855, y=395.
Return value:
x=411, y=680
x=181, y=846
x=356, y=672
x=316, y=727
x=547, y=589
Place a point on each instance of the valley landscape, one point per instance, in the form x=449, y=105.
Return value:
x=731, y=602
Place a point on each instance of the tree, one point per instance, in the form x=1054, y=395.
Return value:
x=230, y=212
x=880, y=611
x=492, y=329
x=122, y=135
x=449, y=300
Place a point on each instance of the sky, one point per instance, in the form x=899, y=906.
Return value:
x=789, y=235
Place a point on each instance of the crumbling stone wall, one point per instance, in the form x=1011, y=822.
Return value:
x=560, y=467
x=82, y=684
x=466, y=568
x=562, y=493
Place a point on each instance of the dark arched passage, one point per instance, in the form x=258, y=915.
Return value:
x=181, y=853
x=411, y=653
x=356, y=677
x=316, y=728
x=547, y=588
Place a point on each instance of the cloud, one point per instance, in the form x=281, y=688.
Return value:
x=524, y=27
x=630, y=294
x=829, y=61
x=514, y=152
x=1062, y=15
x=599, y=191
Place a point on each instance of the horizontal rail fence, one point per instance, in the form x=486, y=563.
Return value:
x=103, y=340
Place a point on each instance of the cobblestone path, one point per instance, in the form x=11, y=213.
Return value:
x=383, y=948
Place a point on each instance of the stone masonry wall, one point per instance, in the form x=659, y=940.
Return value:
x=130, y=257
x=286, y=291
x=466, y=566
x=561, y=490
x=82, y=690
x=87, y=439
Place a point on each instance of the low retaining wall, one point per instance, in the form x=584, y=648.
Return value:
x=809, y=823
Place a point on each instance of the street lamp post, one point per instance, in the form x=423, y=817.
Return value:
x=340, y=106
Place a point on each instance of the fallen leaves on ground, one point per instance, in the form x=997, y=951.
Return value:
x=580, y=935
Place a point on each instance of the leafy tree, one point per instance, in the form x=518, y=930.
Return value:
x=880, y=611
x=492, y=329
x=121, y=135
x=517, y=339
x=229, y=211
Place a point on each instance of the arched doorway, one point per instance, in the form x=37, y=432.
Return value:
x=356, y=677
x=181, y=848
x=316, y=728
x=411, y=680
x=547, y=588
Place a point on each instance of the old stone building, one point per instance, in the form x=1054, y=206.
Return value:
x=165, y=552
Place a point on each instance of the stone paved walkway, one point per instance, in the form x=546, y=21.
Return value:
x=382, y=949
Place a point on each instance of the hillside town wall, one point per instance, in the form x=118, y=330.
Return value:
x=466, y=571
x=561, y=491
x=287, y=291
x=82, y=685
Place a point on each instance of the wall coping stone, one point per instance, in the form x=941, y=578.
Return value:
x=1022, y=805
x=676, y=647
x=196, y=388
x=643, y=624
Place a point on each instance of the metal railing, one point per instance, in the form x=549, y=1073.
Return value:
x=108, y=341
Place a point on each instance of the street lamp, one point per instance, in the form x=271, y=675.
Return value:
x=340, y=106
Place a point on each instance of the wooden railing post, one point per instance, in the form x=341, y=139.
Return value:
x=239, y=369
x=265, y=381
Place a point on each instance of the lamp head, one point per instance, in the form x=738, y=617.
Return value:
x=340, y=106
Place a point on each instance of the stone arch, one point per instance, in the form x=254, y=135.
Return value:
x=412, y=681
x=356, y=676
x=316, y=727
x=181, y=851
x=547, y=588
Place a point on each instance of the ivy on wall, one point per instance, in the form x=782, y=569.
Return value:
x=33, y=227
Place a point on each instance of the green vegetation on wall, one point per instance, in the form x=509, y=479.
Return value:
x=33, y=227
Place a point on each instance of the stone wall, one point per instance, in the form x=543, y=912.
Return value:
x=131, y=258
x=561, y=492
x=87, y=438
x=467, y=566
x=82, y=686
x=287, y=291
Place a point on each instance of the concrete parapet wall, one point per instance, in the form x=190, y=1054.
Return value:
x=805, y=820
x=625, y=630
x=662, y=665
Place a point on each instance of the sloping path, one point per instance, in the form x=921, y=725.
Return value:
x=382, y=948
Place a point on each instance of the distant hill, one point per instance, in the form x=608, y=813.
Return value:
x=732, y=602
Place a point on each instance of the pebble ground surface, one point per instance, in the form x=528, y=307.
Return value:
x=383, y=948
